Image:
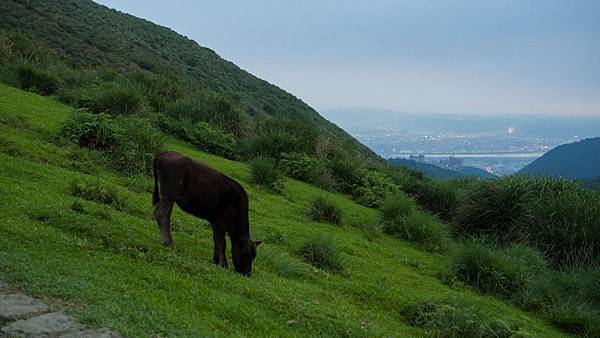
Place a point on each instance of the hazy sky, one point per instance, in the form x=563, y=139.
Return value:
x=421, y=56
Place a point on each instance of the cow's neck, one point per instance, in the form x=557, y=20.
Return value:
x=239, y=231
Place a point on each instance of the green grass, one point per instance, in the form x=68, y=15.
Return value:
x=110, y=265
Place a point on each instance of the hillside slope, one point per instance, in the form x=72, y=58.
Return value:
x=105, y=264
x=578, y=160
x=86, y=33
x=438, y=172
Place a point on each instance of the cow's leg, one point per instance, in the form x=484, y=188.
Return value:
x=220, y=245
x=162, y=212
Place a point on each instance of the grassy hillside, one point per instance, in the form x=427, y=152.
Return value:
x=438, y=172
x=107, y=264
x=84, y=33
x=578, y=160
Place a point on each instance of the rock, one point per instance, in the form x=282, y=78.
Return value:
x=46, y=325
x=17, y=305
x=292, y=322
x=99, y=333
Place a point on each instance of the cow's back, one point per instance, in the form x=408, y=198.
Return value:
x=199, y=189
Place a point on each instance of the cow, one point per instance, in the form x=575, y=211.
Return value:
x=210, y=195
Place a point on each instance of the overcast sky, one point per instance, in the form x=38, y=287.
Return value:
x=421, y=56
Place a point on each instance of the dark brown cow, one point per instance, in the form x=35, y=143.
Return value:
x=208, y=194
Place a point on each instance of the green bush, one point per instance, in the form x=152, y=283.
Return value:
x=137, y=146
x=321, y=252
x=346, y=173
x=265, y=172
x=212, y=140
x=396, y=206
x=129, y=143
x=298, y=165
x=322, y=209
x=374, y=188
x=97, y=191
x=308, y=169
x=114, y=99
x=37, y=80
x=95, y=131
x=422, y=229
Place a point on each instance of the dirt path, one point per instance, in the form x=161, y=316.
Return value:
x=24, y=316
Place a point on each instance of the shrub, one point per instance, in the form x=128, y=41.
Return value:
x=265, y=172
x=396, y=206
x=437, y=196
x=212, y=140
x=322, y=209
x=38, y=80
x=322, y=177
x=422, y=229
x=374, y=188
x=298, y=166
x=114, y=99
x=137, y=146
x=129, y=143
x=346, y=173
x=95, y=131
x=321, y=251
x=448, y=319
x=99, y=192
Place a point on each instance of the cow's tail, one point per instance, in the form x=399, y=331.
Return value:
x=156, y=194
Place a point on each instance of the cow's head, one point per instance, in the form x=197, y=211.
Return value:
x=243, y=253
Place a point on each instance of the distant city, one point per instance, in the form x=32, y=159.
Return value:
x=501, y=145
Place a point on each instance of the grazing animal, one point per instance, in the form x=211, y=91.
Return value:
x=208, y=194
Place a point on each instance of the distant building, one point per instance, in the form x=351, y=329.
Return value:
x=488, y=168
x=452, y=163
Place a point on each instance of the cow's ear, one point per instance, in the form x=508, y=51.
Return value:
x=257, y=243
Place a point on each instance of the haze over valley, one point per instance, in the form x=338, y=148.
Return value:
x=502, y=144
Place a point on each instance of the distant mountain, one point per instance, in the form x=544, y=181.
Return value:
x=439, y=172
x=579, y=160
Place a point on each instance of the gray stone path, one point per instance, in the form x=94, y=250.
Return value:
x=24, y=316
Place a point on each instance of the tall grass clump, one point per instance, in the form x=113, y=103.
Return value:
x=400, y=217
x=558, y=216
x=322, y=252
x=212, y=108
x=373, y=188
x=266, y=173
x=454, y=319
x=322, y=209
x=491, y=270
x=129, y=143
x=114, y=99
x=276, y=136
x=437, y=196
x=212, y=140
